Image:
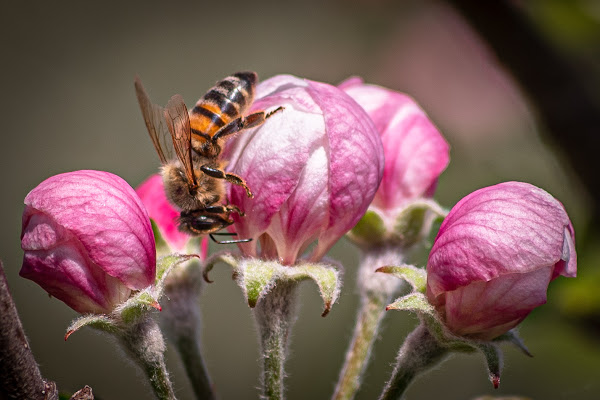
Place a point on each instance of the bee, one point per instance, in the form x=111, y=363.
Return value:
x=194, y=177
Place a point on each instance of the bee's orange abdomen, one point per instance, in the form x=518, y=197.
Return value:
x=227, y=100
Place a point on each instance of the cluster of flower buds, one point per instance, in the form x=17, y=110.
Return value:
x=317, y=171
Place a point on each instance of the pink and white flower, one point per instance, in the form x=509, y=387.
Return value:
x=494, y=256
x=314, y=169
x=87, y=240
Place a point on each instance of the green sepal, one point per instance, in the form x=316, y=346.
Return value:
x=161, y=244
x=369, y=230
x=144, y=300
x=513, y=338
x=413, y=223
x=416, y=277
x=99, y=321
x=405, y=226
x=256, y=277
x=415, y=302
x=327, y=278
x=135, y=307
x=494, y=359
x=164, y=265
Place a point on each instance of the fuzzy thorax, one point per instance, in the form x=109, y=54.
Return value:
x=179, y=192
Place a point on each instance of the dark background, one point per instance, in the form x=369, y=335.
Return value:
x=68, y=103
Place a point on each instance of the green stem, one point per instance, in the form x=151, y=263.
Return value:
x=275, y=314
x=419, y=352
x=181, y=319
x=189, y=350
x=369, y=317
x=145, y=344
x=376, y=291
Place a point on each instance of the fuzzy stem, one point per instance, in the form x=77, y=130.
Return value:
x=376, y=291
x=275, y=314
x=145, y=344
x=419, y=352
x=181, y=320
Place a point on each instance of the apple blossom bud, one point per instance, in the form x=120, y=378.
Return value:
x=415, y=151
x=415, y=155
x=314, y=169
x=494, y=256
x=87, y=240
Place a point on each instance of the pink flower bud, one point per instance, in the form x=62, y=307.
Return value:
x=87, y=240
x=415, y=151
x=314, y=169
x=494, y=256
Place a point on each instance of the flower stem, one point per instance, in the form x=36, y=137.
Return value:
x=419, y=352
x=275, y=314
x=376, y=291
x=189, y=350
x=145, y=344
x=181, y=320
x=369, y=317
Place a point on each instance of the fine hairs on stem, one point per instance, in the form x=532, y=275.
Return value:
x=275, y=315
x=145, y=344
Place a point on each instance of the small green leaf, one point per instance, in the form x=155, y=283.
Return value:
x=416, y=302
x=416, y=277
x=101, y=321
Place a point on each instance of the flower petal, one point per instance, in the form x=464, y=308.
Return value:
x=105, y=215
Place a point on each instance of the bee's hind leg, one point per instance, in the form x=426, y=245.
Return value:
x=241, y=123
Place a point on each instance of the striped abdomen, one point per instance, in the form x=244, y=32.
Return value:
x=223, y=103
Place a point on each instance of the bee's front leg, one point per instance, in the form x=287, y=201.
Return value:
x=232, y=178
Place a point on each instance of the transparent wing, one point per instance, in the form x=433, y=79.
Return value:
x=154, y=117
x=178, y=122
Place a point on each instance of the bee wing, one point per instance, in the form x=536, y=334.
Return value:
x=178, y=122
x=154, y=118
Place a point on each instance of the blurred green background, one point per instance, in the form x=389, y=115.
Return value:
x=68, y=100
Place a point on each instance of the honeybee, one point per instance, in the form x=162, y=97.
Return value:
x=194, y=177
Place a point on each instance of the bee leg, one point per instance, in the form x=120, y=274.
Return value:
x=232, y=178
x=228, y=241
x=224, y=209
x=224, y=233
x=240, y=123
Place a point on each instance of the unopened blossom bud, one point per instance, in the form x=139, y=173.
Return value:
x=87, y=240
x=164, y=215
x=415, y=155
x=314, y=169
x=415, y=151
x=494, y=256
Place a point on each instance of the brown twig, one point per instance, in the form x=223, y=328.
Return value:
x=20, y=377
